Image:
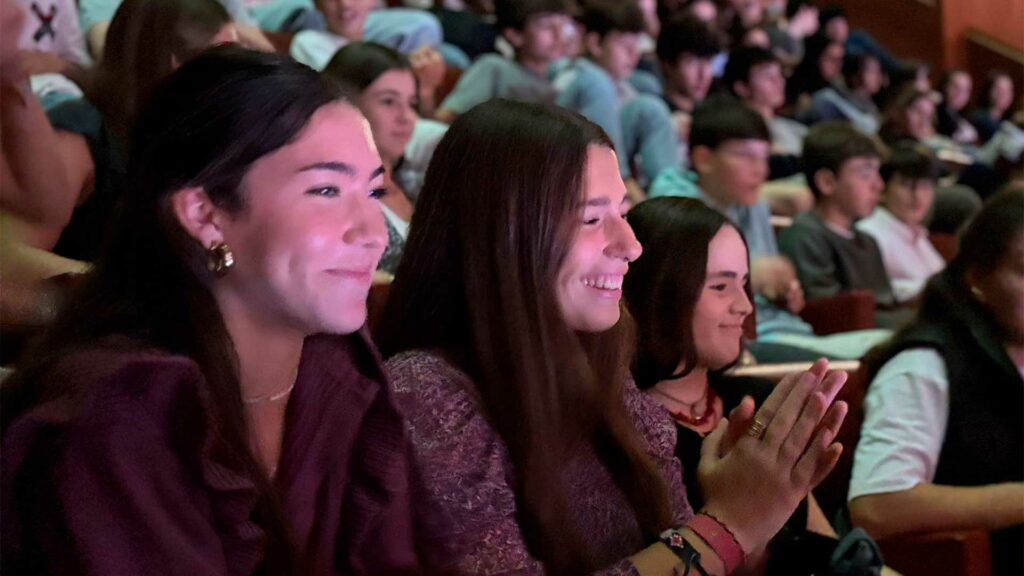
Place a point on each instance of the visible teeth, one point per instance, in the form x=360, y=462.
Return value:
x=604, y=282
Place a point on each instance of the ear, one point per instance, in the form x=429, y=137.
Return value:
x=514, y=37
x=198, y=215
x=592, y=41
x=741, y=89
x=701, y=157
x=825, y=180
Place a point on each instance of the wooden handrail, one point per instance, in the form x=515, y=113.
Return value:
x=776, y=372
x=995, y=45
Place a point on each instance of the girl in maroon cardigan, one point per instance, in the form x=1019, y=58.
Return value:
x=205, y=404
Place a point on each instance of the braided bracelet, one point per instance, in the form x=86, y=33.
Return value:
x=684, y=550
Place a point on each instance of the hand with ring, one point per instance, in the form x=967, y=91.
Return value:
x=756, y=468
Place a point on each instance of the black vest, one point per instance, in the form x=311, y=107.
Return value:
x=984, y=442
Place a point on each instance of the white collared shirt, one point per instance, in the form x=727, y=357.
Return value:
x=906, y=410
x=909, y=257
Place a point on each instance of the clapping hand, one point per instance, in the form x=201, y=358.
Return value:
x=755, y=468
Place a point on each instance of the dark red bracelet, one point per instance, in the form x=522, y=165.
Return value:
x=718, y=536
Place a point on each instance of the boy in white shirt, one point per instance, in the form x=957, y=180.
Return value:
x=897, y=225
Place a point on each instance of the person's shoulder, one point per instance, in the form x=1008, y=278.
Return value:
x=480, y=82
x=808, y=221
x=651, y=420
x=492, y=62
x=407, y=369
x=323, y=37
x=864, y=236
x=873, y=222
x=452, y=436
x=315, y=48
x=114, y=382
x=432, y=391
x=427, y=129
x=789, y=125
x=920, y=363
x=125, y=368
x=588, y=66
x=674, y=182
x=761, y=212
x=805, y=225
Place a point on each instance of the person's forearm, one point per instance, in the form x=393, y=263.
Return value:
x=38, y=186
x=78, y=73
x=816, y=521
x=428, y=105
x=25, y=262
x=936, y=508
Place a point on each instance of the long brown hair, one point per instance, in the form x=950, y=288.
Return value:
x=205, y=126
x=497, y=215
x=145, y=39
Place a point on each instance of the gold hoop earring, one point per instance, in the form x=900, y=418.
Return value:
x=220, y=259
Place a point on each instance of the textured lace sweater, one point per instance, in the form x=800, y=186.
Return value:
x=467, y=469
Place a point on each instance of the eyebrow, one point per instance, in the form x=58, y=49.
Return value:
x=342, y=168
x=601, y=201
x=726, y=274
x=867, y=164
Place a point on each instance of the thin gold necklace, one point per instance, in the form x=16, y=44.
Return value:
x=274, y=397
x=269, y=397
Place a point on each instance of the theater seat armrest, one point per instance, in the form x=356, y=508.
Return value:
x=965, y=552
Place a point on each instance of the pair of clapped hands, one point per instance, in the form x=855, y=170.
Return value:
x=758, y=465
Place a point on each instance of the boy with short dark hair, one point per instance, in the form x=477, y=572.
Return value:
x=853, y=99
x=897, y=225
x=729, y=148
x=755, y=76
x=686, y=46
x=536, y=30
x=599, y=87
x=831, y=255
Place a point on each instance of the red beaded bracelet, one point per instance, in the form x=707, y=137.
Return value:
x=712, y=531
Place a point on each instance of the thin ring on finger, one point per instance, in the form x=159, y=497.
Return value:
x=757, y=429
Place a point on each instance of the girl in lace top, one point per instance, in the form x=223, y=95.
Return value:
x=509, y=355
